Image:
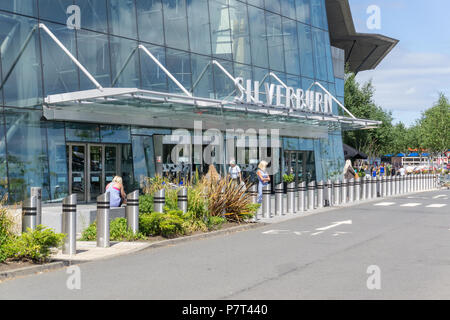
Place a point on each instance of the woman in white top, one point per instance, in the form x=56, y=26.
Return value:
x=235, y=172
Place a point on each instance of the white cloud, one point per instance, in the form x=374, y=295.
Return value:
x=408, y=83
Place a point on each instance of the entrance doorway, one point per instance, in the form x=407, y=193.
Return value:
x=91, y=168
x=301, y=164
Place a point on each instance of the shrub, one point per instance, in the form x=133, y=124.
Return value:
x=171, y=199
x=149, y=223
x=6, y=234
x=215, y=223
x=146, y=203
x=118, y=231
x=34, y=245
x=166, y=225
x=288, y=178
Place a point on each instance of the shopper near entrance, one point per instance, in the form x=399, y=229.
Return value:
x=349, y=172
x=117, y=195
x=235, y=172
x=263, y=179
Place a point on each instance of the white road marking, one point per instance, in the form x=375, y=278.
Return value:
x=436, y=205
x=384, y=204
x=413, y=204
x=439, y=196
x=334, y=225
x=275, y=231
x=316, y=233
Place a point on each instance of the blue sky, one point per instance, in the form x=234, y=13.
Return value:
x=409, y=79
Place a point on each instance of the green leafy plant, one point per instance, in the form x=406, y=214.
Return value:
x=149, y=223
x=90, y=234
x=118, y=231
x=6, y=234
x=171, y=225
x=171, y=199
x=288, y=178
x=146, y=203
x=34, y=245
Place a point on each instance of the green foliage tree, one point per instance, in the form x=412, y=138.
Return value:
x=435, y=126
x=359, y=101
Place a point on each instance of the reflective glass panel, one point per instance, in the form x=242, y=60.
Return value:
x=306, y=51
x=275, y=42
x=199, y=28
x=59, y=186
x=93, y=53
x=122, y=18
x=27, y=154
x=303, y=10
x=3, y=172
x=54, y=10
x=143, y=158
x=219, y=11
x=224, y=85
x=115, y=134
x=93, y=14
x=150, y=20
x=318, y=14
x=288, y=8
x=320, y=54
x=240, y=34
x=82, y=132
x=125, y=63
x=258, y=38
x=175, y=23
x=60, y=73
x=21, y=72
x=291, y=55
x=153, y=77
x=258, y=3
x=27, y=7
x=179, y=65
x=273, y=5
x=202, y=76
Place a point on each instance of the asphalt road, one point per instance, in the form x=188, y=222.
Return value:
x=406, y=240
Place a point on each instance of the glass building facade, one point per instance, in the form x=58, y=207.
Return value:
x=249, y=38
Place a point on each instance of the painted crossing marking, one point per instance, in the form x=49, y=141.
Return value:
x=413, y=204
x=440, y=196
x=384, y=204
x=334, y=225
x=275, y=231
x=436, y=205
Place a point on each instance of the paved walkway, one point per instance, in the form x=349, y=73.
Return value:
x=88, y=251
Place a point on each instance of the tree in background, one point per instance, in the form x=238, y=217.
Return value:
x=435, y=127
x=359, y=101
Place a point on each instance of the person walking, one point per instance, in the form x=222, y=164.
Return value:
x=235, y=172
x=117, y=195
x=263, y=179
x=349, y=172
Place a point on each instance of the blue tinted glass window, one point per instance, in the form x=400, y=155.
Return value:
x=143, y=158
x=275, y=41
x=55, y=10
x=93, y=53
x=122, y=18
x=179, y=65
x=224, y=86
x=219, y=11
x=320, y=54
x=82, y=132
x=291, y=55
x=258, y=38
x=3, y=172
x=125, y=62
x=240, y=32
x=340, y=87
x=60, y=73
x=303, y=10
x=27, y=7
x=199, y=28
x=93, y=14
x=27, y=154
x=203, y=84
x=153, y=78
x=306, y=51
x=149, y=131
x=115, y=134
x=288, y=8
x=22, y=81
x=150, y=20
x=258, y=3
x=318, y=14
x=329, y=59
x=273, y=5
x=175, y=23
x=57, y=160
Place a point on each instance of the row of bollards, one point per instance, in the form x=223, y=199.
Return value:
x=31, y=209
x=314, y=195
